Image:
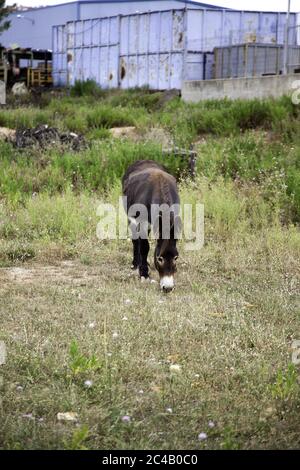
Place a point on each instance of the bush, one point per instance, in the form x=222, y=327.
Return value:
x=226, y=117
x=106, y=116
x=86, y=88
x=137, y=98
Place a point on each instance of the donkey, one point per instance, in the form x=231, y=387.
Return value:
x=152, y=200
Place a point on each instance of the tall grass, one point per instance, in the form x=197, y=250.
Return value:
x=243, y=141
x=225, y=117
x=232, y=214
x=86, y=88
x=236, y=299
x=94, y=169
x=106, y=116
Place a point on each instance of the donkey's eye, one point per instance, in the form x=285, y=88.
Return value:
x=175, y=258
x=160, y=259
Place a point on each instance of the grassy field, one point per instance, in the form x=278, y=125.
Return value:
x=139, y=369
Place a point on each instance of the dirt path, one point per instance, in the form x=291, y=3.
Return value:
x=67, y=272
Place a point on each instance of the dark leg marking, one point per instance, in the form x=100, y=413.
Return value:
x=144, y=250
x=136, y=254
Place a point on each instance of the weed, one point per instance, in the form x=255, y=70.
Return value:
x=80, y=363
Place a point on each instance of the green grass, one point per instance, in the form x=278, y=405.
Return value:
x=72, y=311
x=89, y=88
x=252, y=141
x=229, y=325
x=80, y=364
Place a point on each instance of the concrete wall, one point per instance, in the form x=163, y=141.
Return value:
x=240, y=88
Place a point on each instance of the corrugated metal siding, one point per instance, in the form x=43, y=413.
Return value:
x=39, y=34
x=158, y=49
x=208, y=29
x=89, y=10
x=151, y=49
x=59, y=57
x=126, y=51
x=93, y=49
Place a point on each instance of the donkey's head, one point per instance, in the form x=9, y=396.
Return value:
x=166, y=253
x=165, y=257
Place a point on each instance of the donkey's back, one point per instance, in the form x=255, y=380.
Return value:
x=147, y=182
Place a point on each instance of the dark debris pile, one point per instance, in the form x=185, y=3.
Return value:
x=46, y=136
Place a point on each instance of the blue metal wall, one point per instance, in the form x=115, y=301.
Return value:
x=217, y=27
x=158, y=49
x=89, y=10
x=208, y=29
x=126, y=51
x=39, y=35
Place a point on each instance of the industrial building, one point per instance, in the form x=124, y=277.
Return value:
x=33, y=27
x=155, y=43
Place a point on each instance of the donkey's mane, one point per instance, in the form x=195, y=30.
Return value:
x=165, y=190
x=162, y=179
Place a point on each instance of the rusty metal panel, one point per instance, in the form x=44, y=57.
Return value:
x=93, y=51
x=59, y=56
x=128, y=51
x=159, y=49
x=152, y=49
x=208, y=29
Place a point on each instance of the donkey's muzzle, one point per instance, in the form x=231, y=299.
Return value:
x=167, y=283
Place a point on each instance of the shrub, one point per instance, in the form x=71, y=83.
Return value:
x=86, y=88
x=106, y=116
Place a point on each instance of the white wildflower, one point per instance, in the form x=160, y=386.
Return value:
x=88, y=383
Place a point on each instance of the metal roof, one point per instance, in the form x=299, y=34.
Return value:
x=79, y=2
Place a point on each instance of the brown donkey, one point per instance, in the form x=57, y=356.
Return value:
x=152, y=200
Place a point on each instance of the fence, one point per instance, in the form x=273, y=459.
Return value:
x=254, y=60
x=293, y=53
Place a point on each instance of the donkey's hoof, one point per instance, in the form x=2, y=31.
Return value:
x=145, y=279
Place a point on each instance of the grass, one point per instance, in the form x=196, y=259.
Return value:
x=80, y=364
x=228, y=325
x=83, y=335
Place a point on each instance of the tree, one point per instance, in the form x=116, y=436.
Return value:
x=4, y=12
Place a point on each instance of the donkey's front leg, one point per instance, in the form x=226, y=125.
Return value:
x=136, y=254
x=144, y=250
